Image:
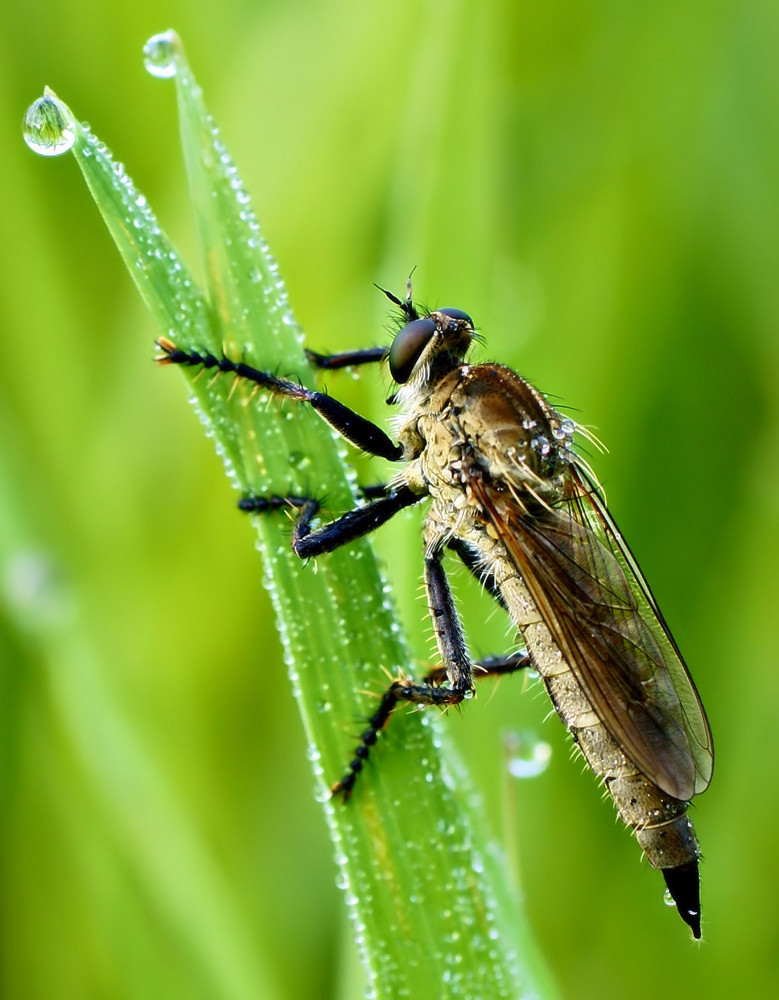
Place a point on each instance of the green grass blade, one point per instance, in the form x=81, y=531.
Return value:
x=432, y=912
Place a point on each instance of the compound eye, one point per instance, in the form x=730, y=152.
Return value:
x=456, y=314
x=408, y=346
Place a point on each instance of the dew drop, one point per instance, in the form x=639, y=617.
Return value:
x=527, y=757
x=299, y=459
x=541, y=444
x=323, y=795
x=35, y=591
x=49, y=129
x=668, y=898
x=160, y=54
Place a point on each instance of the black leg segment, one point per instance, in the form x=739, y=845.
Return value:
x=429, y=692
x=418, y=694
x=308, y=543
x=357, y=430
x=446, y=623
x=331, y=362
x=351, y=525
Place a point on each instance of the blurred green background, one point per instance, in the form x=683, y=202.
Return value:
x=596, y=185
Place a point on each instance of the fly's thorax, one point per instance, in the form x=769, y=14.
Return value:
x=506, y=425
x=486, y=420
x=481, y=422
x=521, y=438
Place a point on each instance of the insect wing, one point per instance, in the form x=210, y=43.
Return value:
x=606, y=623
x=696, y=725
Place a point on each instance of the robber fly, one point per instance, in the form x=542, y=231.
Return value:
x=510, y=496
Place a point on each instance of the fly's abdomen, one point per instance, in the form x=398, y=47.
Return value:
x=660, y=822
x=661, y=825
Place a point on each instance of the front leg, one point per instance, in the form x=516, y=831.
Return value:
x=357, y=430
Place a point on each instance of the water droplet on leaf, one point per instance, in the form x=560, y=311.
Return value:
x=160, y=54
x=49, y=128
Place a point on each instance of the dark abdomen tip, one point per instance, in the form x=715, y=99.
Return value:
x=684, y=885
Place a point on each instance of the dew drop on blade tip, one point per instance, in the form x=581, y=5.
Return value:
x=160, y=54
x=49, y=129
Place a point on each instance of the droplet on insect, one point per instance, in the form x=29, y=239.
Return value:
x=541, y=444
x=159, y=54
x=527, y=756
x=668, y=898
x=49, y=129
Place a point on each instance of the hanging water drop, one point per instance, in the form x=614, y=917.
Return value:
x=160, y=54
x=35, y=592
x=49, y=128
x=527, y=756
